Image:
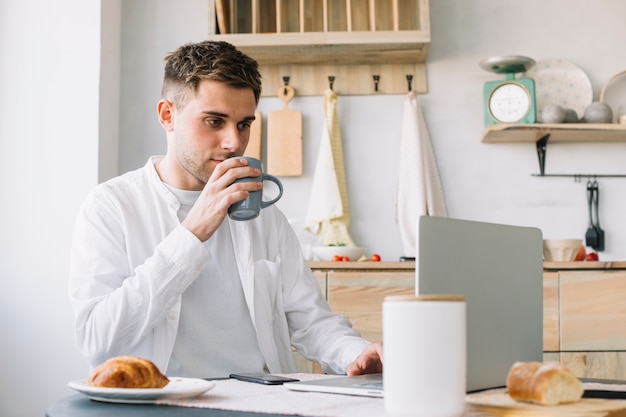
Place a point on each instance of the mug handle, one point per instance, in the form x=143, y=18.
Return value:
x=268, y=177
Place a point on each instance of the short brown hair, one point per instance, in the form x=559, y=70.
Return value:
x=208, y=60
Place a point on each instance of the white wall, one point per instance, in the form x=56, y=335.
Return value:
x=50, y=67
x=50, y=153
x=489, y=182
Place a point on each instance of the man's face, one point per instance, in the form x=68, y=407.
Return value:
x=213, y=126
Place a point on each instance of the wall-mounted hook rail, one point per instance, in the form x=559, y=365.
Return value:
x=542, y=146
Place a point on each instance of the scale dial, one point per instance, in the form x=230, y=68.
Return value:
x=511, y=100
x=509, y=103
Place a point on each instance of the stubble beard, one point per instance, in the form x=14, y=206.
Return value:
x=201, y=170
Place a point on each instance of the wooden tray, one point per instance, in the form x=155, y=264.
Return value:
x=492, y=403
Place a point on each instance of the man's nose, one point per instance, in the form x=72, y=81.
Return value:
x=231, y=139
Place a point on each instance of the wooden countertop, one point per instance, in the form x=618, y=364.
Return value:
x=408, y=266
x=496, y=403
x=364, y=265
x=583, y=265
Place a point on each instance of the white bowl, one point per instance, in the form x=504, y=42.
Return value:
x=561, y=250
x=326, y=253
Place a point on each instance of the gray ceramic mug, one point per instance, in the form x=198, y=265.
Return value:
x=250, y=207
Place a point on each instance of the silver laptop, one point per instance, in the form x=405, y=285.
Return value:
x=499, y=269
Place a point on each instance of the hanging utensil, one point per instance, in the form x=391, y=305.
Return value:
x=591, y=236
x=596, y=222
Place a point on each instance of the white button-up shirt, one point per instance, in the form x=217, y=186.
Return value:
x=131, y=261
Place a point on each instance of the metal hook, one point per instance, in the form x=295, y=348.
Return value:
x=409, y=79
x=285, y=83
x=376, y=80
x=331, y=80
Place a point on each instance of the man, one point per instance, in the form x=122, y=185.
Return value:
x=159, y=271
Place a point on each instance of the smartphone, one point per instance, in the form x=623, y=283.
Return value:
x=260, y=378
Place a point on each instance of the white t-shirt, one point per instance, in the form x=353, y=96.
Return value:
x=217, y=290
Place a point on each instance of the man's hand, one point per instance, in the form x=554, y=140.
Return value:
x=370, y=361
x=218, y=194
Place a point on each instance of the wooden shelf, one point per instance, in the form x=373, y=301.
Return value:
x=350, y=40
x=569, y=132
x=334, y=48
x=544, y=133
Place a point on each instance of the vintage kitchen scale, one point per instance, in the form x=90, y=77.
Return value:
x=511, y=100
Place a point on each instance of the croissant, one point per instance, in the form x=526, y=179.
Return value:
x=127, y=372
x=543, y=383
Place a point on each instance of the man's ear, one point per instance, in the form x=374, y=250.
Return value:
x=165, y=109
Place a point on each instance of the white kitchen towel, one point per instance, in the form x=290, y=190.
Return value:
x=419, y=190
x=328, y=214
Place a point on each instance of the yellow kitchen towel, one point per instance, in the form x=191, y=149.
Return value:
x=328, y=213
x=419, y=190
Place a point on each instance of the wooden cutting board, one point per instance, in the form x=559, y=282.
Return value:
x=500, y=404
x=254, y=142
x=284, y=138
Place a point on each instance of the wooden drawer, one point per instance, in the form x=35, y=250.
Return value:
x=593, y=310
x=359, y=296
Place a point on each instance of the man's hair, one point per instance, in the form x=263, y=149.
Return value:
x=208, y=60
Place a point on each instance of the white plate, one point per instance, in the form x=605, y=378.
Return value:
x=560, y=82
x=177, y=388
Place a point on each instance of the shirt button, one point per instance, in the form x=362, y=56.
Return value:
x=171, y=315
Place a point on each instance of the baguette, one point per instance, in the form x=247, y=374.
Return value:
x=543, y=383
x=127, y=372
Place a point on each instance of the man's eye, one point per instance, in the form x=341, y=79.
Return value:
x=215, y=122
x=244, y=125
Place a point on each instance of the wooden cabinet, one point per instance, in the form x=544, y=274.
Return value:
x=584, y=308
x=359, y=295
x=551, y=342
x=356, y=290
x=585, y=317
x=310, y=40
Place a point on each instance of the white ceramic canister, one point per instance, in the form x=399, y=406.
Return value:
x=424, y=352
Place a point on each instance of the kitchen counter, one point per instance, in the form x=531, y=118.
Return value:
x=583, y=265
x=361, y=266
x=410, y=266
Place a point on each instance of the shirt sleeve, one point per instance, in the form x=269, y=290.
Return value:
x=116, y=309
x=317, y=332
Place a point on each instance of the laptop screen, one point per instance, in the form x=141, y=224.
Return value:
x=499, y=270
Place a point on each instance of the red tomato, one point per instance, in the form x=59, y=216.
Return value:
x=336, y=258
x=345, y=259
x=375, y=257
x=581, y=254
x=592, y=256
